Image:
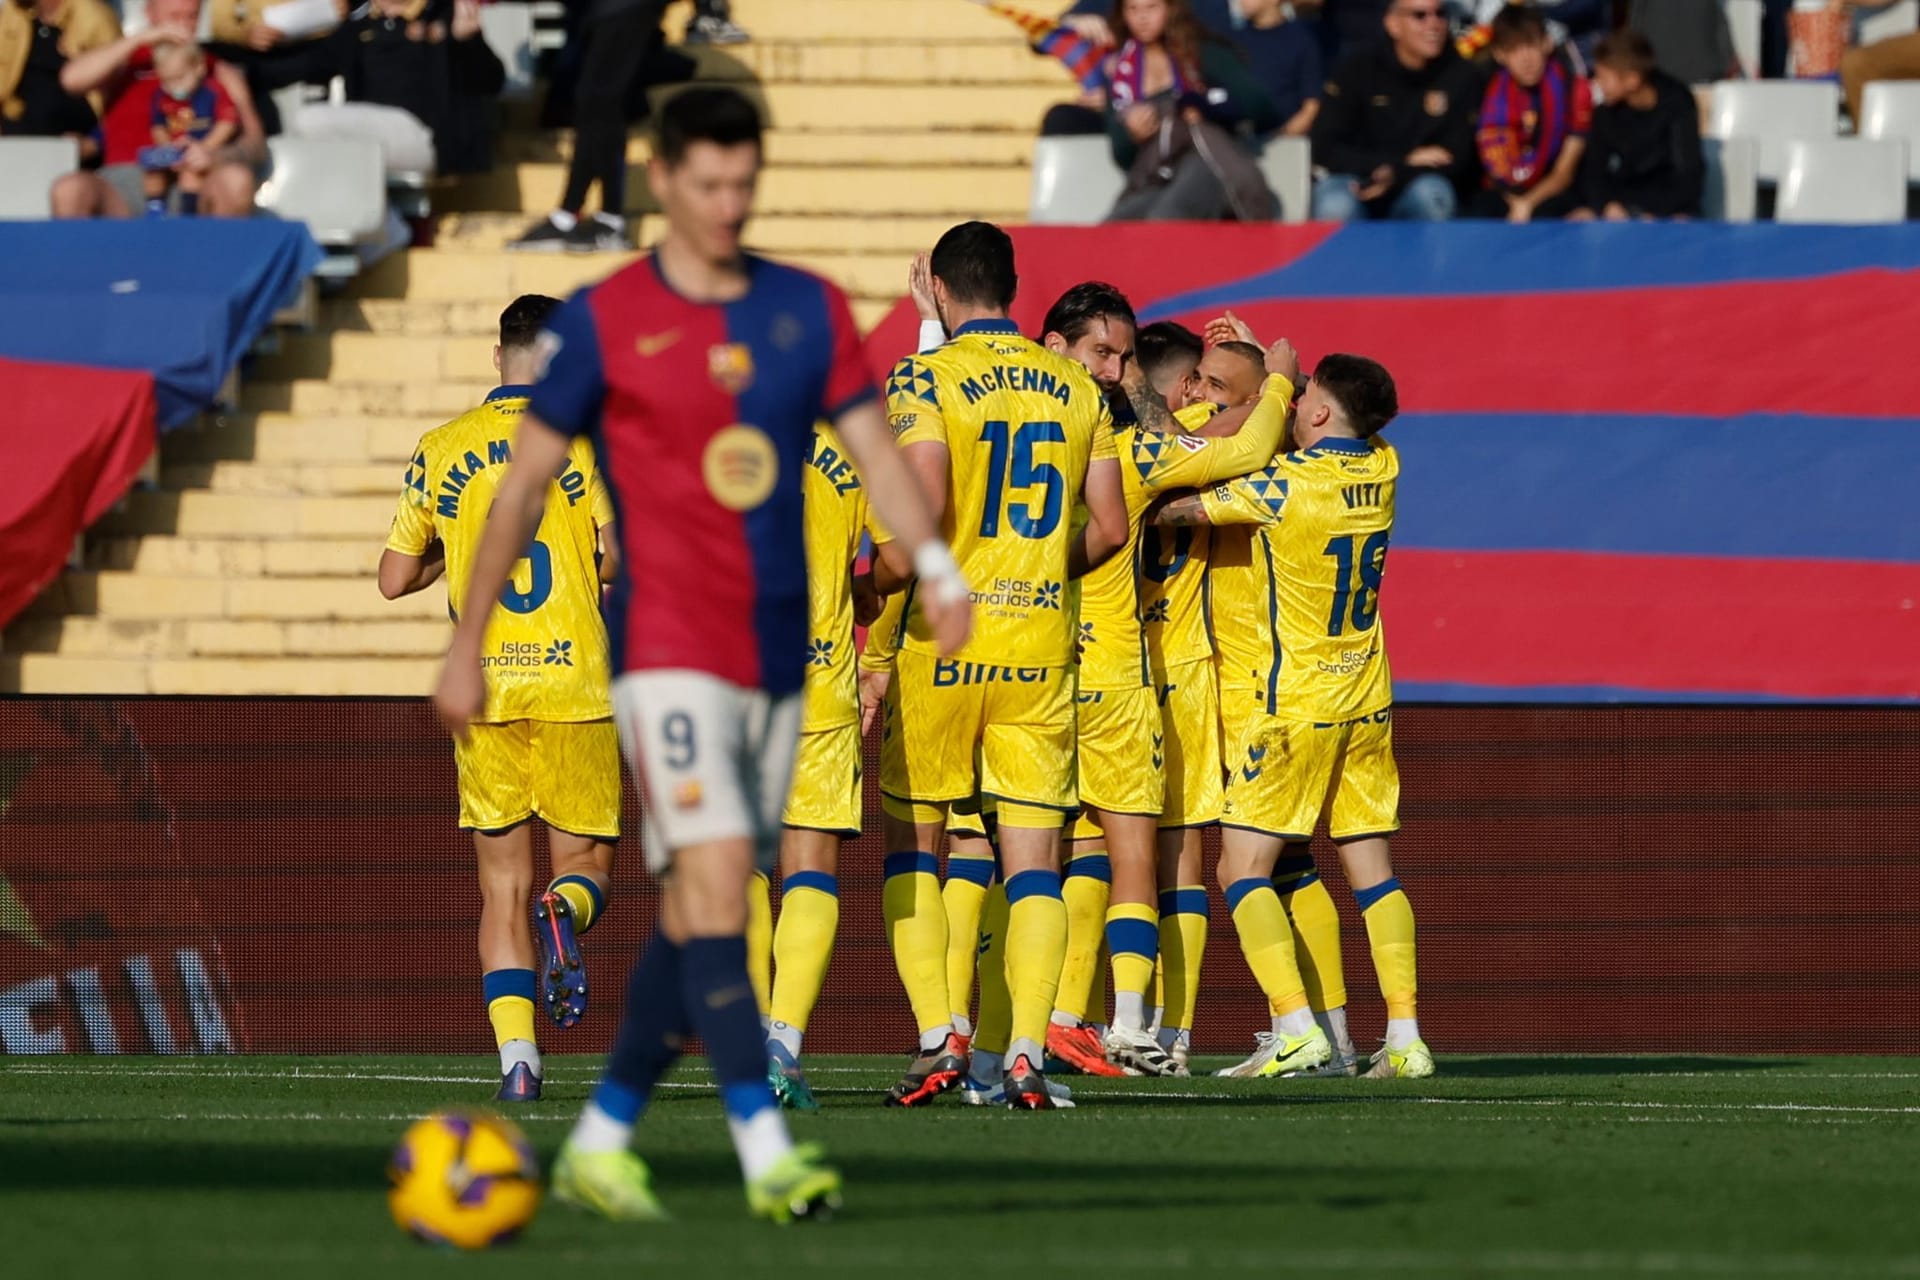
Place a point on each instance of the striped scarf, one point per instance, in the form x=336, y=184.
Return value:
x=1127, y=76
x=1519, y=141
x=1080, y=56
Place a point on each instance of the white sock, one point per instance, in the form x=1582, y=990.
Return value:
x=931, y=1040
x=562, y=219
x=515, y=1052
x=1159, y=1015
x=1035, y=1054
x=1064, y=1019
x=760, y=1141
x=1129, y=1010
x=1402, y=1032
x=787, y=1036
x=963, y=1025
x=1298, y=1023
x=597, y=1131
x=1334, y=1023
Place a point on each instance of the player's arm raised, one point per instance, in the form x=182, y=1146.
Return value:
x=1221, y=457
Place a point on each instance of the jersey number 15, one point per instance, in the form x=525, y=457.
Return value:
x=1011, y=469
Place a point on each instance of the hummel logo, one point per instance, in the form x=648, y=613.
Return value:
x=986, y=941
x=650, y=345
x=1252, y=768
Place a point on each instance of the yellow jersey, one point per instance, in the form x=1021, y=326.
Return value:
x=545, y=654
x=835, y=511
x=1020, y=425
x=1113, y=640
x=1173, y=579
x=1322, y=519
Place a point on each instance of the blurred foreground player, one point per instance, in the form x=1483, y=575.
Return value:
x=700, y=371
x=543, y=743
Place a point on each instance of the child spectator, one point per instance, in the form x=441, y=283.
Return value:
x=1533, y=124
x=1283, y=52
x=1643, y=153
x=188, y=108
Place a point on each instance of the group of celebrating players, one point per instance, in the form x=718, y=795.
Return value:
x=1122, y=586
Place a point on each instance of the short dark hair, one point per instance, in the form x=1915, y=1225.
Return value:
x=1515, y=25
x=1080, y=306
x=1162, y=343
x=1247, y=351
x=709, y=113
x=1626, y=50
x=975, y=261
x=524, y=318
x=1362, y=388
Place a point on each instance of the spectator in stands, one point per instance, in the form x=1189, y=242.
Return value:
x=1176, y=100
x=36, y=39
x=1895, y=58
x=1694, y=43
x=1533, y=124
x=1283, y=53
x=1395, y=129
x=1643, y=156
x=420, y=80
x=123, y=73
x=190, y=109
x=616, y=39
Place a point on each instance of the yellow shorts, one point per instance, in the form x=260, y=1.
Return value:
x=969, y=818
x=957, y=729
x=1190, y=718
x=1291, y=773
x=1122, y=755
x=567, y=773
x=1241, y=707
x=825, y=792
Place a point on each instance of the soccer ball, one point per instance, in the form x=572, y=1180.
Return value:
x=463, y=1178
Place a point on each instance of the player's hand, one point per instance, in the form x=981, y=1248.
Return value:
x=461, y=695
x=873, y=696
x=920, y=287
x=1285, y=361
x=1228, y=327
x=867, y=600
x=1429, y=157
x=950, y=620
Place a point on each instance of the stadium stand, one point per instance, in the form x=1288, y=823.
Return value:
x=1845, y=180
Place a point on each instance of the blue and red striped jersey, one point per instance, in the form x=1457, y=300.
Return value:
x=700, y=415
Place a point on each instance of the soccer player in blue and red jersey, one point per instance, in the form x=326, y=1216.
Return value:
x=700, y=371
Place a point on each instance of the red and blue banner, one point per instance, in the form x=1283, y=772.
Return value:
x=1640, y=463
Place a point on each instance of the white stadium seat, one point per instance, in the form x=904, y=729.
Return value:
x=337, y=186
x=1733, y=179
x=1898, y=19
x=508, y=31
x=1287, y=165
x=1775, y=112
x=1075, y=181
x=31, y=165
x=1844, y=180
x=1891, y=109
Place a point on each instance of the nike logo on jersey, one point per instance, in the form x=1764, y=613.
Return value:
x=650, y=345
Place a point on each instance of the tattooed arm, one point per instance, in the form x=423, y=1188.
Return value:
x=1190, y=510
x=1149, y=409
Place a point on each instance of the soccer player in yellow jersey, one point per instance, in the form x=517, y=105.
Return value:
x=1321, y=741
x=824, y=802
x=1007, y=439
x=1173, y=573
x=545, y=745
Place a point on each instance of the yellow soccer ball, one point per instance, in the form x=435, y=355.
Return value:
x=464, y=1178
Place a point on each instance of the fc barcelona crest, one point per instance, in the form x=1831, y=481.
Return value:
x=730, y=365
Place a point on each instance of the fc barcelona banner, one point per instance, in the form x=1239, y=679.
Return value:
x=1639, y=463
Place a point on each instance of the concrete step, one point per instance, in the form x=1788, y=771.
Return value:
x=312, y=397
x=995, y=55
x=280, y=437
x=787, y=148
x=279, y=480
x=190, y=638
x=238, y=557
x=865, y=20
x=863, y=191
x=313, y=677
x=199, y=514
x=156, y=597
x=789, y=236
x=370, y=357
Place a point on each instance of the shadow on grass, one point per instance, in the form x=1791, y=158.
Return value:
x=1605, y=1065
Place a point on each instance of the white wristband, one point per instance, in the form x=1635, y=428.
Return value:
x=932, y=335
x=939, y=573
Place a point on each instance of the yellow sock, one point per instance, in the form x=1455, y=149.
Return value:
x=917, y=932
x=760, y=939
x=1183, y=941
x=1316, y=931
x=1036, y=946
x=994, y=1026
x=1133, y=942
x=1086, y=889
x=1267, y=940
x=509, y=994
x=583, y=895
x=803, y=944
x=1389, y=918
x=964, y=895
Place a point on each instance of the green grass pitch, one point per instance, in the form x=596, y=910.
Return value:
x=1499, y=1167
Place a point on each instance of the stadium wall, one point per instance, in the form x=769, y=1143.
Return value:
x=284, y=876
